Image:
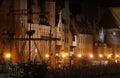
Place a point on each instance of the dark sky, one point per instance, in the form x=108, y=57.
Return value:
x=89, y=7
x=94, y=2
x=104, y=3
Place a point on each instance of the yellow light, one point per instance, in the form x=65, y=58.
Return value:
x=47, y=55
x=8, y=55
x=116, y=55
x=63, y=55
x=100, y=55
x=116, y=61
x=79, y=55
x=91, y=55
x=109, y=55
x=57, y=54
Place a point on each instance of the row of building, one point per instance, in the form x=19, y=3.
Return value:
x=29, y=33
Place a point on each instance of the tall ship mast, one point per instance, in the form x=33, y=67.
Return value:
x=32, y=28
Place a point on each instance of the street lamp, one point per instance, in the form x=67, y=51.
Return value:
x=109, y=56
x=91, y=56
x=56, y=54
x=63, y=56
x=79, y=56
x=47, y=56
x=56, y=59
x=116, y=56
x=8, y=56
x=100, y=55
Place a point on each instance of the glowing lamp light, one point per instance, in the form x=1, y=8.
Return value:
x=79, y=55
x=47, y=55
x=8, y=55
x=109, y=55
x=100, y=55
x=57, y=54
x=91, y=55
x=116, y=61
x=116, y=55
x=63, y=55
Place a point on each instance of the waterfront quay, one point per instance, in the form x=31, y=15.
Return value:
x=89, y=71
x=96, y=71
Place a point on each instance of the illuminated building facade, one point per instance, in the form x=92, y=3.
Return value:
x=35, y=33
x=29, y=33
x=21, y=16
x=112, y=39
x=85, y=44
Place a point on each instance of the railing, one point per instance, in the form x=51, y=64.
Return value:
x=86, y=72
x=15, y=71
x=3, y=68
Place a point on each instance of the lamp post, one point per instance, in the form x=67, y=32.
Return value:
x=100, y=56
x=47, y=57
x=109, y=56
x=91, y=56
x=116, y=58
x=56, y=60
x=79, y=57
x=8, y=56
x=63, y=56
x=91, y=59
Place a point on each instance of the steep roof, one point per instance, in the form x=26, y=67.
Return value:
x=73, y=26
x=79, y=27
x=116, y=14
x=83, y=28
x=107, y=19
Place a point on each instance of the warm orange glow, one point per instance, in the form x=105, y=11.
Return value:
x=47, y=55
x=116, y=61
x=91, y=55
x=57, y=54
x=8, y=55
x=79, y=55
x=109, y=55
x=100, y=55
x=63, y=55
x=116, y=55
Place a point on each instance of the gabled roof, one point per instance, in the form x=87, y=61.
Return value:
x=79, y=27
x=116, y=14
x=73, y=27
x=83, y=28
x=107, y=19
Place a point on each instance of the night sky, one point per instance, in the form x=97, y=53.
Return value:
x=88, y=7
x=82, y=6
